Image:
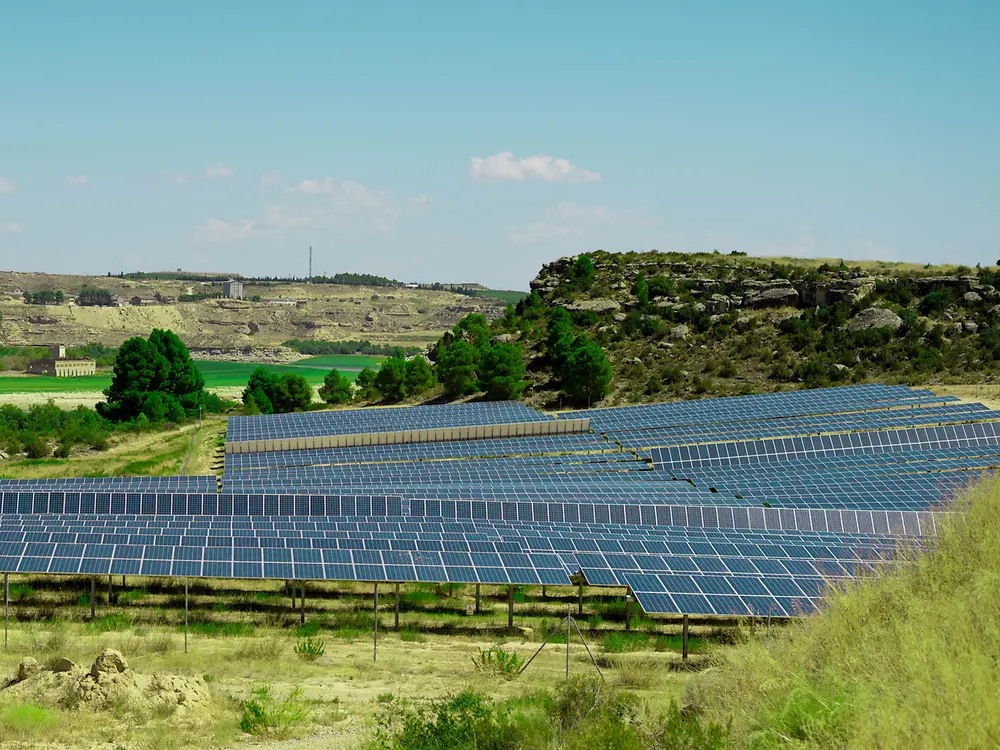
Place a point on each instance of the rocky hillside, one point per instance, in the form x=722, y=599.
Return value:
x=382, y=315
x=675, y=325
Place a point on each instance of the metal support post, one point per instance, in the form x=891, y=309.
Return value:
x=6, y=607
x=684, y=640
x=302, y=603
x=477, y=598
x=543, y=592
x=569, y=618
x=397, y=608
x=110, y=591
x=375, y=646
x=93, y=594
x=185, y=615
x=510, y=607
x=628, y=613
x=451, y=590
x=579, y=606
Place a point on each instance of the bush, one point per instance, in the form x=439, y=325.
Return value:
x=35, y=446
x=309, y=649
x=262, y=714
x=496, y=661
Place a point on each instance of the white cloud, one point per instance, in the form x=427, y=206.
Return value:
x=542, y=231
x=76, y=180
x=504, y=167
x=10, y=227
x=268, y=179
x=570, y=219
x=312, y=187
x=6, y=185
x=177, y=179
x=346, y=206
x=216, y=171
x=218, y=231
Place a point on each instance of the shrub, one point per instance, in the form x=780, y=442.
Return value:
x=309, y=649
x=498, y=662
x=262, y=714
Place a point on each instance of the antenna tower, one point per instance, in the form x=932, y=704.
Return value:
x=310, y=264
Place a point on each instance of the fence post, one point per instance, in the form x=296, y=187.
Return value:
x=684, y=640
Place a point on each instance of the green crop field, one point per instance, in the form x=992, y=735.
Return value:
x=216, y=374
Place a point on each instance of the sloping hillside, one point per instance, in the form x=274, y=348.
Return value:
x=385, y=315
x=675, y=325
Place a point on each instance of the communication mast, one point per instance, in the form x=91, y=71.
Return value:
x=310, y=264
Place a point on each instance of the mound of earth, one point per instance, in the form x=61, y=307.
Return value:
x=108, y=683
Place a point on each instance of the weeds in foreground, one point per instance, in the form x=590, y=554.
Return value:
x=583, y=713
x=498, y=662
x=309, y=649
x=263, y=714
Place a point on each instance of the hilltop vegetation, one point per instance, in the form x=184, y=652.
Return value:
x=675, y=325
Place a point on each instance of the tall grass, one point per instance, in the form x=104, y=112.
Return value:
x=907, y=658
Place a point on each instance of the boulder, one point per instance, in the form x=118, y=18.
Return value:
x=698, y=308
x=63, y=664
x=995, y=312
x=597, y=305
x=679, y=332
x=27, y=667
x=717, y=304
x=110, y=661
x=875, y=317
x=972, y=297
x=780, y=296
x=970, y=326
x=620, y=317
x=503, y=338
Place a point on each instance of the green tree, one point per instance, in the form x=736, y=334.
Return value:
x=502, y=375
x=270, y=394
x=559, y=339
x=457, y=369
x=588, y=372
x=641, y=290
x=336, y=388
x=584, y=271
x=475, y=329
x=292, y=393
x=391, y=379
x=419, y=376
x=366, y=384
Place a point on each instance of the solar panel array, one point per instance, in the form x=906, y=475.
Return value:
x=364, y=421
x=750, y=505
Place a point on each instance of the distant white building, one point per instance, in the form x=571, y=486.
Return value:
x=232, y=289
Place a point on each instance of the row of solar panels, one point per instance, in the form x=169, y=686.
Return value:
x=497, y=447
x=774, y=428
x=655, y=512
x=365, y=421
x=849, y=444
x=759, y=406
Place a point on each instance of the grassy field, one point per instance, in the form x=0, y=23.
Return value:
x=216, y=374
x=143, y=454
x=244, y=634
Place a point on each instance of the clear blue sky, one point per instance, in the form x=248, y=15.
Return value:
x=420, y=140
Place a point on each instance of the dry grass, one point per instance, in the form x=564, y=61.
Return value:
x=905, y=659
